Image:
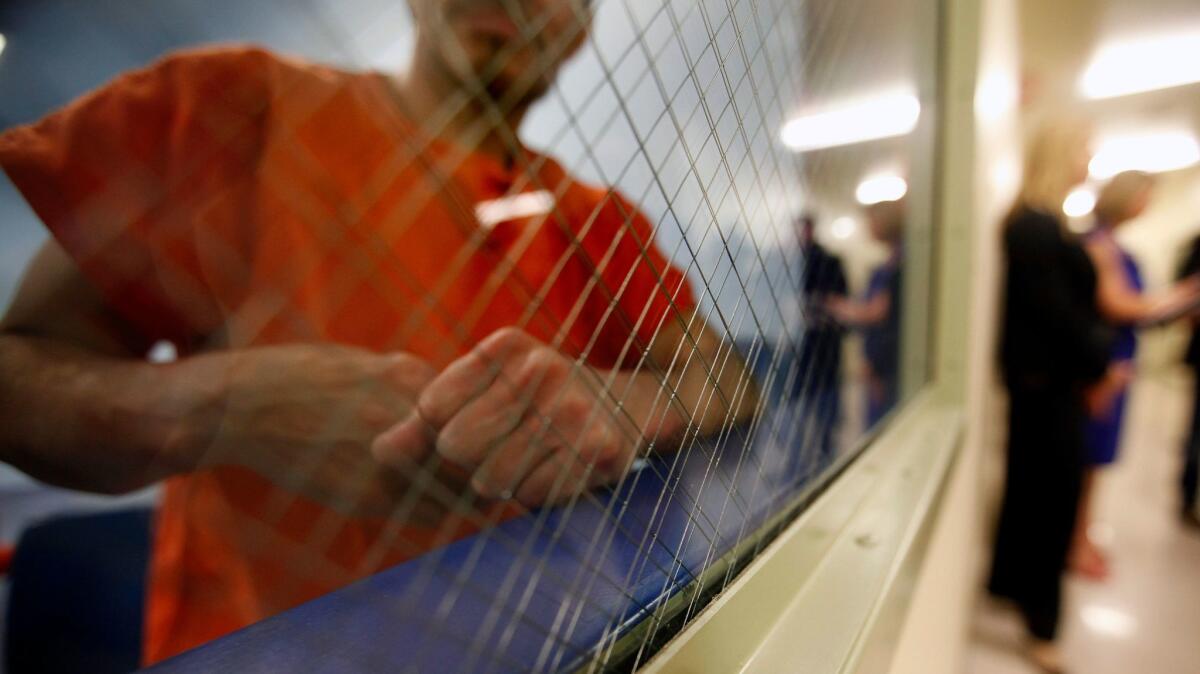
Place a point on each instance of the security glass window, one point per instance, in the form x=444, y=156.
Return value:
x=455, y=335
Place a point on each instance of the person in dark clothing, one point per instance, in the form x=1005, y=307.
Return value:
x=1190, y=478
x=1053, y=347
x=818, y=380
x=877, y=314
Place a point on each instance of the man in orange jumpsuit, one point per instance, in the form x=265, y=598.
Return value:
x=396, y=325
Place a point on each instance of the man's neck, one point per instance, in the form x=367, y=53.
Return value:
x=434, y=99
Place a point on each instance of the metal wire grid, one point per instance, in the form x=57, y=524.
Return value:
x=757, y=65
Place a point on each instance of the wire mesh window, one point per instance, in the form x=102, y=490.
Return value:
x=486, y=335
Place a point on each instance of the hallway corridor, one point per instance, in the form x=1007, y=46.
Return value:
x=1146, y=618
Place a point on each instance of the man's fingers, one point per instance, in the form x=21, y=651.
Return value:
x=468, y=377
x=513, y=460
x=534, y=404
x=408, y=372
x=555, y=480
x=483, y=423
x=460, y=383
x=571, y=470
x=404, y=445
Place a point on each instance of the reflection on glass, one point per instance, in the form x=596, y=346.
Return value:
x=876, y=312
x=818, y=394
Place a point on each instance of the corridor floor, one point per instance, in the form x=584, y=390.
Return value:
x=1146, y=618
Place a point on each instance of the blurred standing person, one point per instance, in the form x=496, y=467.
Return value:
x=1053, y=346
x=1191, y=449
x=1122, y=302
x=817, y=387
x=877, y=314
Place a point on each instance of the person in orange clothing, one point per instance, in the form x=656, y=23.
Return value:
x=396, y=325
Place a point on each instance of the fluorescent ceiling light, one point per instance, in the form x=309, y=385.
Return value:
x=843, y=228
x=997, y=96
x=1143, y=64
x=881, y=188
x=1152, y=153
x=869, y=118
x=3, y=43
x=1080, y=202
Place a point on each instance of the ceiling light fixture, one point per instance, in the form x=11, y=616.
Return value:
x=1149, y=152
x=843, y=228
x=1079, y=203
x=997, y=96
x=881, y=188
x=1143, y=64
x=863, y=119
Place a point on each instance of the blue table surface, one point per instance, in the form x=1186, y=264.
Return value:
x=541, y=592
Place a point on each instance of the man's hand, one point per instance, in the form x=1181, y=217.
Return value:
x=84, y=411
x=305, y=416
x=519, y=418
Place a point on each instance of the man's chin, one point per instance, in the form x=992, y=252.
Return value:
x=514, y=86
x=515, y=93
x=518, y=81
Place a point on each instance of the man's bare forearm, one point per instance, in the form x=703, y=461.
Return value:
x=76, y=419
x=716, y=388
x=711, y=391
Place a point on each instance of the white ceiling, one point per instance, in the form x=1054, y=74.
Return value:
x=1058, y=38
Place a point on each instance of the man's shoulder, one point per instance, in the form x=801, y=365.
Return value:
x=241, y=62
x=245, y=57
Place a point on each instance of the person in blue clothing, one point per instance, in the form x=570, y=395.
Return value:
x=877, y=314
x=1124, y=304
